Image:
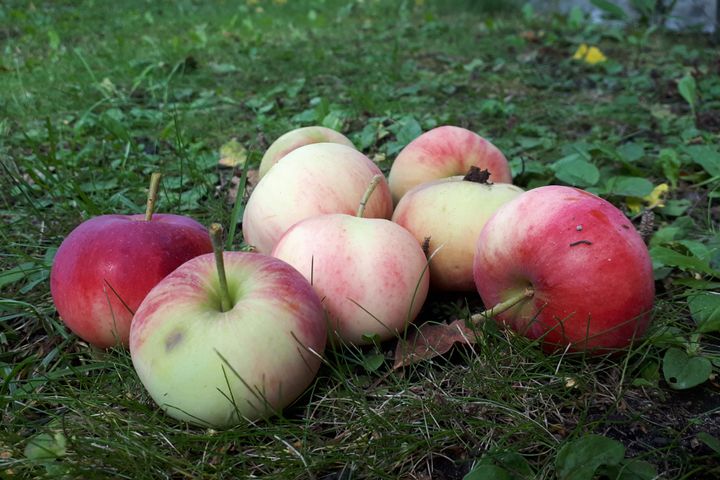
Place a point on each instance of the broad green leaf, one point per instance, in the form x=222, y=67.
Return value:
x=610, y=8
x=578, y=460
x=46, y=446
x=488, y=472
x=632, y=470
x=710, y=441
x=373, y=361
x=576, y=171
x=707, y=157
x=409, y=130
x=705, y=310
x=688, y=90
x=631, y=152
x=682, y=371
x=670, y=163
x=669, y=257
x=629, y=186
x=675, y=208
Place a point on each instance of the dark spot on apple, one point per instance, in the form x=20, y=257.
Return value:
x=579, y=242
x=173, y=340
x=626, y=227
x=478, y=176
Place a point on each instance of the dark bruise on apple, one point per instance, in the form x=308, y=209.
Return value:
x=589, y=268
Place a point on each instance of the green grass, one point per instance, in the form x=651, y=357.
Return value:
x=97, y=95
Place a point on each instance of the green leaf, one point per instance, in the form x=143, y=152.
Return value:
x=578, y=460
x=633, y=470
x=409, y=130
x=670, y=163
x=373, y=361
x=629, y=186
x=488, y=472
x=576, y=171
x=682, y=371
x=688, y=90
x=610, y=8
x=631, y=152
x=707, y=157
x=666, y=256
x=705, y=310
x=46, y=446
x=710, y=441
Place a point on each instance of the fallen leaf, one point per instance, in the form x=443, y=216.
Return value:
x=431, y=340
x=232, y=154
x=253, y=178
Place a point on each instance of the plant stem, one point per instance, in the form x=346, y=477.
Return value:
x=366, y=196
x=503, y=306
x=152, y=195
x=216, y=234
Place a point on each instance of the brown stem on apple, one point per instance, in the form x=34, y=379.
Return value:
x=503, y=306
x=477, y=176
x=216, y=234
x=152, y=195
x=366, y=196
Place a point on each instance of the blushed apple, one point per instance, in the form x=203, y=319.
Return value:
x=445, y=152
x=588, y=267
x=314, y=179
x=105, y=267
x=293, y=139
x=451, y=213
x=216, y=349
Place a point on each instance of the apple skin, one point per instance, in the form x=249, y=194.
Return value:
x=113, y=257
x=180, y=336
x=589, y=267
x=293, y=139
x=312, y=180
x=444, y=152
x=353, y=261
x=452, y=212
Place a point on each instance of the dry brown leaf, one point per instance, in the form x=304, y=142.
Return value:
x=431, y=340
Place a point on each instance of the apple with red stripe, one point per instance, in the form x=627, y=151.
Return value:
x=445, y=152
x=294, y=139
x=228, y=337
x=587, y=267
x=105, y=267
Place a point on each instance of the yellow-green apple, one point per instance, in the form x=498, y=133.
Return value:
x=293, y=139
x=105, y=267
x=218, y=349
x=588, y=267
x=444, y=152
x=314, y=179
x=451, y=213
x=370, y=273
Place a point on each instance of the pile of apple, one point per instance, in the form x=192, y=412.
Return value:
x=344, y=256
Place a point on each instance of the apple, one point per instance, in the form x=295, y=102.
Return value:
x=370, y=273
x=588, y=267
x=314, y=179
x=444, y=152
x=293, y=139
x=106, y=265
x=228, y=337
x=451, y=213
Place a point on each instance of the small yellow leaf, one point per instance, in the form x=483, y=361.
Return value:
x=232, y=154
x=634, y=204
x=657, y=196
x=594, y=55
x=580, y=52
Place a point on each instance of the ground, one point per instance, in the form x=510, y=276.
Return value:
x=95, y=96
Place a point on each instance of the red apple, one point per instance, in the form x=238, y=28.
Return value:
x=217, y=348
x=589, y=268
x=451, y=213
x=445, y=152
x=106, y=266
x=293, y=139
x=311, y=180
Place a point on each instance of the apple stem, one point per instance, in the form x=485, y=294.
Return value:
x=366, y=196
x=152, y=195
x=503, y=306
x=477, y=176
x=216, y=234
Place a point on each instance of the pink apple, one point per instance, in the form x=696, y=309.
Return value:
x=106, y=266
x=293, y=139
x=311, y=180
x=445, y=152
x=451, y=212
x=589, y=268
x=370, y=273
x=213, y=367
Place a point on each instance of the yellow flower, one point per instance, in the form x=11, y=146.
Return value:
x=656, y=198
x=589, y=54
